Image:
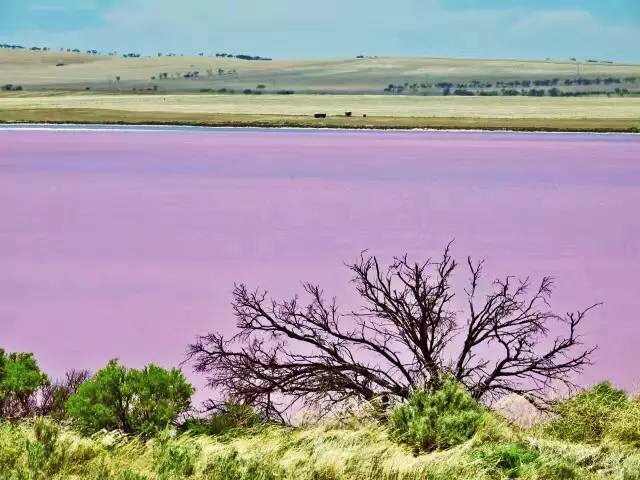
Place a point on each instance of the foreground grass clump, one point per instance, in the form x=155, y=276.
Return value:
x=43, y=449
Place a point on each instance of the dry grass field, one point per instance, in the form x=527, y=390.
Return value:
x=60, y=87
x=74, y=71
x=513, y=113
x=371, y=105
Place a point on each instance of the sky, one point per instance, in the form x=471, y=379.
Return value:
x=559, y=29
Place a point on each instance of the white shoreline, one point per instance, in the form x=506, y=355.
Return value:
x=98, y=127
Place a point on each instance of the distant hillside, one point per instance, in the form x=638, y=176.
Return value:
x=51, y=70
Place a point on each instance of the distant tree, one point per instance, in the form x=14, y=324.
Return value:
x=511, y=92
x=20, y=379
x=133, y=401
x=407, y=335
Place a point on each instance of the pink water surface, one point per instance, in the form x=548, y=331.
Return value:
x=127, y=243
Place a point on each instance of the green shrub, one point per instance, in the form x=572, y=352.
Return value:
x=507, y=460
x=224, y=467
x=20, y=378
x=11, y=447
x=624, y=423
x=133, y=401
x=99, y=469
x=47, y=434
x=175, y=457
x=232, y=417
x=587, y=416
x=46, y=456
x=436, y=420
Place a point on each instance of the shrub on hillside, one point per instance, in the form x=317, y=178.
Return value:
x=46, y=453
x=233, y=416
x=133, y=401
x=587, y=416
x=436, y=420
x=624, y=424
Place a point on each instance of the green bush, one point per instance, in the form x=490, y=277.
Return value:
x=47, y=434
x=624, y=424
x=20, y=378
x=507, y=460
x=175, y=457
x=587, y=416
x=436, y=420
x=232, y=417
x=47, y=454
x=224, y=467
x=133, y=401
x=11, y=447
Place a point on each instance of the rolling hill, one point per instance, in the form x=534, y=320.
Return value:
x=49, y=70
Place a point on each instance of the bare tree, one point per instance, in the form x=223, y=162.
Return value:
x=406, y=335
x=52, y=397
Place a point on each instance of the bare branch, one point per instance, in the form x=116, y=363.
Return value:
x=401, y=338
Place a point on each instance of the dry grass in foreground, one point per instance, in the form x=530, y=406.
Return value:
x=594, y=435
x=124, y=117
x=359, y=452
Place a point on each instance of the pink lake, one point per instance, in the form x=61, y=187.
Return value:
x=127, y=243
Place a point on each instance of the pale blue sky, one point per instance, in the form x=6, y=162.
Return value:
x=333, y=28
